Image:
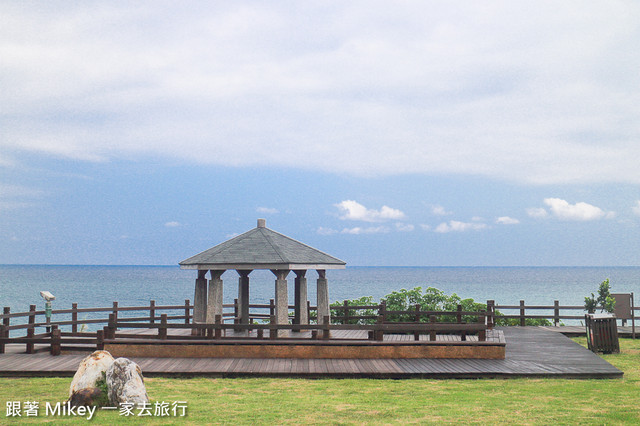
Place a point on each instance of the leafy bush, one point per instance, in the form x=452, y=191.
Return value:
x=604, y=301
x=431, y=299
x=363, y=301
x=103, y=400
x=500, y=320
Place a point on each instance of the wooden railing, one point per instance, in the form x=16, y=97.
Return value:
x=350, y=314
x=151, y=316
x=218, y=330
x=554, y=313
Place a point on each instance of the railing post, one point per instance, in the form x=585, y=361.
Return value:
x=112, y=326
x=55, y=340
x=218, y=330
x=273, y=331
x=326, y=334
x=4, y=332
x=152, y=311
x=379, y=334
x=416, y=334
x=115, y=311
x=2, y=336
x=6, y=321
x=345, y=312
x=482, y=334
x=459, y=314
x=187, y=311
x=100, y=340
x=432, y=334
x=382, y=310
x=272, y=307
x=308, y=311
x=31, y=330
x=556, y=312
x=162, y=330
x=522, y=319
x=74, y=318
x=491, y=311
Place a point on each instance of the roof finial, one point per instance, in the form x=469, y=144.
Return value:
x=262, y=223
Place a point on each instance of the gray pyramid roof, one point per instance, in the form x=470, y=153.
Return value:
x=262, y=248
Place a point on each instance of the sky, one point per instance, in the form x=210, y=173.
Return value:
x=385, y=133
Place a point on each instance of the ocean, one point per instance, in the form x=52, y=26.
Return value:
x=99, y=286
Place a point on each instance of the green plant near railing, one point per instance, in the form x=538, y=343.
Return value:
x=500, y=320
x=604, y=301
x=432, y=299
x=338, y=314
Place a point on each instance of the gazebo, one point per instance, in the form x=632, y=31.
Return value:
x=260, y=248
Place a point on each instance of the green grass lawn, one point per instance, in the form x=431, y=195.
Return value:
x=368, y=401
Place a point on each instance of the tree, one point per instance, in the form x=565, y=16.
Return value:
x=604, y=301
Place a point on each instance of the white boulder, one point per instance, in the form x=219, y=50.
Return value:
x=125, y=383
x=90, y=371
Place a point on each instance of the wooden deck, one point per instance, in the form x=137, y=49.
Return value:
x=580, y=330
x=530, y=352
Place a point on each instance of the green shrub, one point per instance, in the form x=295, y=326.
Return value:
x=604, y=301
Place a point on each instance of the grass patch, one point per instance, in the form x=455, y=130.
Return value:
x=365, y=401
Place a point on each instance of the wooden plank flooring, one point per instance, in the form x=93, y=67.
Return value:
x=580, y=330
x=530, y=352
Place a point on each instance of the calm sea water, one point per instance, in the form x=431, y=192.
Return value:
x=97, y=286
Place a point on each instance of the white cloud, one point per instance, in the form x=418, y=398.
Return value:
x=506, y=220
x=456, y=226
x=537, y=212
x=404, y=227
x=579, y=211
x=636, y=208
x=440, y=211
x=267, y=210
x=425, y=227
x=370, y=230
x=173, y=224
x=326, y=231
x=500, y=89
x=13, y=197
x=353, y=210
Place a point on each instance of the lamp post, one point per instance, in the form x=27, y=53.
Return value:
x=48, y=297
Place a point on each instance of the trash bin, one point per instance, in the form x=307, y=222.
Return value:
x=602, y=333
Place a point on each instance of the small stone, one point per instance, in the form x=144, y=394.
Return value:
x=85, y=397
x=90, y=371
x=125, y=383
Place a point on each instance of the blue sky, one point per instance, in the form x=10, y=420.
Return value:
x=385, y=133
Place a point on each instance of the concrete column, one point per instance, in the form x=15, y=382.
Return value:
x=214, y=304
x=282, y=300
x=301, y=315
x=323, y=296
x=243, y=296
x=200, y=298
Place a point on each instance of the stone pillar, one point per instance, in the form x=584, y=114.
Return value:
x=301, y=315
x=243, y=296
x=214, y=304
x=282, y=300
x=200, y=299
x=323, y=296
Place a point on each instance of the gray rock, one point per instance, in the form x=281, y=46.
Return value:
x=125, y=383
x=90, y=371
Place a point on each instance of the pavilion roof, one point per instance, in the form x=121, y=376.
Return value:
x=262, y=248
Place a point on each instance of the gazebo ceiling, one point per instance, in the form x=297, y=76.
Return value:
x=262, y=248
